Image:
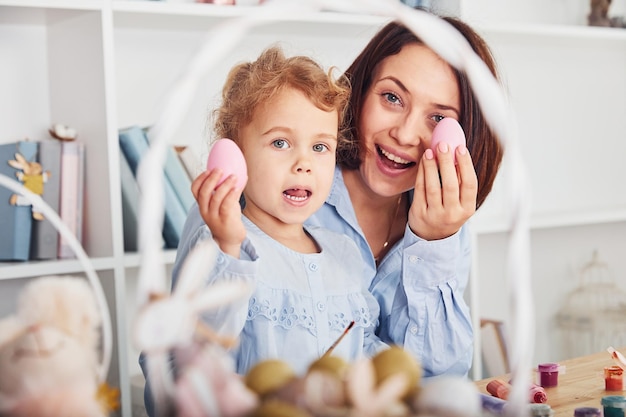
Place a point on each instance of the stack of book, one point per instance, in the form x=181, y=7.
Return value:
x=54, y=170
x=180, y=168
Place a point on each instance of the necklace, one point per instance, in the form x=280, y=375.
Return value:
x=380, y=252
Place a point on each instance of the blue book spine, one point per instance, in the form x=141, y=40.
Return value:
x=15, y=218
x=45, y=238
x=178, y=177
x=134, y=145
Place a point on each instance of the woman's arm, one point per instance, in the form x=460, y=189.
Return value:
x=420, y=288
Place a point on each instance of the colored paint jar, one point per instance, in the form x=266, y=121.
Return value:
x=614, y=405
x=613, y=378
x=541, y=410
x=499, y=389
x=587, y=412
x=548, y=374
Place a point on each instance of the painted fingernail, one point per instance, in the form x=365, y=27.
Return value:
x=428, y=154
x=443, y=147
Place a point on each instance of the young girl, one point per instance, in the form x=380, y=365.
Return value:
x=284, y=114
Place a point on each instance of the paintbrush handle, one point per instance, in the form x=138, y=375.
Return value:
x=334, y=345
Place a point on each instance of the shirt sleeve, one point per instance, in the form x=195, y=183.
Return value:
x=420, y=291
x=229, y=318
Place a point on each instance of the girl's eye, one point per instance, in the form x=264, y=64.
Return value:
x=280, y=144
x=320, y=147
x=392, y=98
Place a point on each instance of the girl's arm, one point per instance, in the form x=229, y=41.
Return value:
x=229, y=319
x=219, y=207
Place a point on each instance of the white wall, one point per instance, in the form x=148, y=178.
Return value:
x=557, y=256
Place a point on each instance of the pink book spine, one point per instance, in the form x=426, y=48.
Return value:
x=68, y=204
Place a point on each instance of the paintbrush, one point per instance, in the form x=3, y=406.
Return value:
x=334, y=345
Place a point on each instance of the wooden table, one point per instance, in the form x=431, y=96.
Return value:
x=582, y=384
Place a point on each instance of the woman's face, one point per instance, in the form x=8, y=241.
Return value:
x=410, y=93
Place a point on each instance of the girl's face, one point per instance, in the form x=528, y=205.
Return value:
x=410, y=93
x=290, y=150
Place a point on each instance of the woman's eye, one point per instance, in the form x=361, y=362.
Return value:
x=320, y=147
x=392, y=98
x=280, y=144
x=438, y=117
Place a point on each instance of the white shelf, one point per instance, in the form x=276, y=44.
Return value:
x=53, y=4
x=493, y=225
x=15, y=270
x=103, y=64
x=573, y=32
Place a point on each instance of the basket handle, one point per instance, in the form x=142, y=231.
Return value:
x=77, y=248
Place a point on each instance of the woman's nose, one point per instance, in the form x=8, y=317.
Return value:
x=411, y=130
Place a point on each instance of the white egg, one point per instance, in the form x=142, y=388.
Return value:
x=448, y=396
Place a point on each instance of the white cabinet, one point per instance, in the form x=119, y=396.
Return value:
x=100, y=65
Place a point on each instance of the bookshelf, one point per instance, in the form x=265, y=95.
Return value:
x=101, y=65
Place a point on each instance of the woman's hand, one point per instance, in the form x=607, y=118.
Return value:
x=220, y=209
x=445, y=193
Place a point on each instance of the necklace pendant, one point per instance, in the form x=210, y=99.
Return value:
x=385, y=244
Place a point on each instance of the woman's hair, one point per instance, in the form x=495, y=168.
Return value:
x=483, y=145
x=252, y=84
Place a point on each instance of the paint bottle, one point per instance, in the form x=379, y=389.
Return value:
x=537, y=394
x=541, y=410
x=499, y=388
x=493, y=404
x=614, y=405
x=587, y=412
x=613, y=378
x=548, y=374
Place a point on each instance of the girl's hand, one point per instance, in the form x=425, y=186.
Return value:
x=441, y=206
x=220, y=209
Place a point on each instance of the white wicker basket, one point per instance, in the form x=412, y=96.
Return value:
x=446, y=42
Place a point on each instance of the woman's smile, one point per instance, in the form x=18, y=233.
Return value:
x=393, y=161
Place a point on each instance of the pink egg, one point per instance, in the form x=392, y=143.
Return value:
x=450, y=131
x=226, y=155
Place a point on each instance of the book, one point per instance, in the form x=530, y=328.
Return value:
x=134, y=145
x=81, y=193
x=190, y=161
x=45, y=237
x=16, y=214
x=177, y=176
x=71, y=196
x=130, y=206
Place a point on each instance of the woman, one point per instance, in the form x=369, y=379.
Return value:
x=405, y=206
